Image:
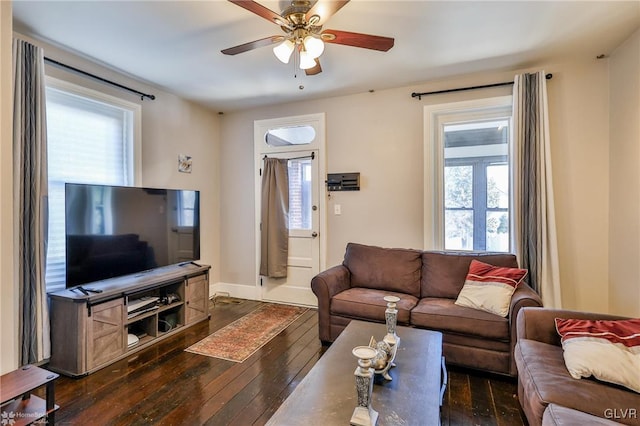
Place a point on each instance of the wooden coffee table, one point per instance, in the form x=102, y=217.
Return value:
x=327, y=395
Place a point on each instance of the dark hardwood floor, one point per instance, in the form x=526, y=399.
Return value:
x=166, y=385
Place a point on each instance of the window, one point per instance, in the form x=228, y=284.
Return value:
x=468, y=195
x=90, y=139
x=292, y=135
x=300, y=193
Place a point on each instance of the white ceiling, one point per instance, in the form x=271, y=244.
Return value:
x=176, y=45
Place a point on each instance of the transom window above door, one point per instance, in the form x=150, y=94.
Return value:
x=292, y=135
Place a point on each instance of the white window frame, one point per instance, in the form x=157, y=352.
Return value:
x=435, y=118
x=135, y=148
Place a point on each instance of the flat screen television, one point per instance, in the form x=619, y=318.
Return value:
x=111, y=231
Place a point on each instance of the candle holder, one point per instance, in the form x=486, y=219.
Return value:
x=391, y=318
x=364, y=414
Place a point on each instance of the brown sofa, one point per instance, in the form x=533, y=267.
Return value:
x=427, y=283
x=546, y=390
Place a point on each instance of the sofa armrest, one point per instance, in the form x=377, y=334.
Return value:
x=539, y=323
x=325, y=285
x=523, y=297
x=331, y=282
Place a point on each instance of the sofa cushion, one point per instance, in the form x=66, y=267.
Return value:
x=545, y=380
x=444, y=273
x=384, y=268
x=444, y=315
x=555, y=415
x=606, y=350
x=369, y=304
x=489, y=288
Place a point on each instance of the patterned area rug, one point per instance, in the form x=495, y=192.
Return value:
x=239, y=340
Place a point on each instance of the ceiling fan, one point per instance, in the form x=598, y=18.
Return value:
x=302, y=25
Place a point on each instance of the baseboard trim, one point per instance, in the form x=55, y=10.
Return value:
x=247, y=292
x=240, y=291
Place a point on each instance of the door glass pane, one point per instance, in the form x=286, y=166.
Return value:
x=300, y=199
x=497, y=231
x=458, y=229
x=498, y=186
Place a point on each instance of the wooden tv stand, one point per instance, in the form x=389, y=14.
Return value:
x=91, y=331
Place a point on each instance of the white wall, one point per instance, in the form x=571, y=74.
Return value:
x=624, y=238
x=380, y=135
x=8, y=290
x=578, y=104
x=173, y=126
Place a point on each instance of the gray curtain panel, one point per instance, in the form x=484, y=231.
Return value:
x=30, y=193
x=535, y=234
x=274, y=229
x=529, y=184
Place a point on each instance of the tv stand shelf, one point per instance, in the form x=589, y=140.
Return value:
x=91, y=331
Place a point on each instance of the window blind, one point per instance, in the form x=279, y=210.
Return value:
x=88, y=141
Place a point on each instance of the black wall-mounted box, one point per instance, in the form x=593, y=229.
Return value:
x=343, y=181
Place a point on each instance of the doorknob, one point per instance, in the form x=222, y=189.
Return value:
x=314, y=234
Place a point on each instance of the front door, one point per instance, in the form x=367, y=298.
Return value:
x=305, y=211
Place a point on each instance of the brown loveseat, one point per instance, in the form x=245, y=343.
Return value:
x=427, y=283
x=546, y=389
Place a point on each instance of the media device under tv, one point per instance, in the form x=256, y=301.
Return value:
x=111, y=231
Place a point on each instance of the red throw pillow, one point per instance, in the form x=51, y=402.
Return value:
x=608, y=350
x=489, y=288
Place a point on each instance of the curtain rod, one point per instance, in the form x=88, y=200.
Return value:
x=506, y=83
x=104, y=80
x=312, y=156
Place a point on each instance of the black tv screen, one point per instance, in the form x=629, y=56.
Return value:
x=111, y=231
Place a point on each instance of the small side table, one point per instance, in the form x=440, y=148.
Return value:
x=19, y=407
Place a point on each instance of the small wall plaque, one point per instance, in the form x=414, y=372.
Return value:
x=184, y=163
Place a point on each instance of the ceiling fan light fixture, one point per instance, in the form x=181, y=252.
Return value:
x=314, y=46
x=283, y=51
x=306, y=61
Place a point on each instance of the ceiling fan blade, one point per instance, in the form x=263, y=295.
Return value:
x=261, y=10
x=358, y=40
x=315, y=70
x=267, y=41
x=324, y=9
